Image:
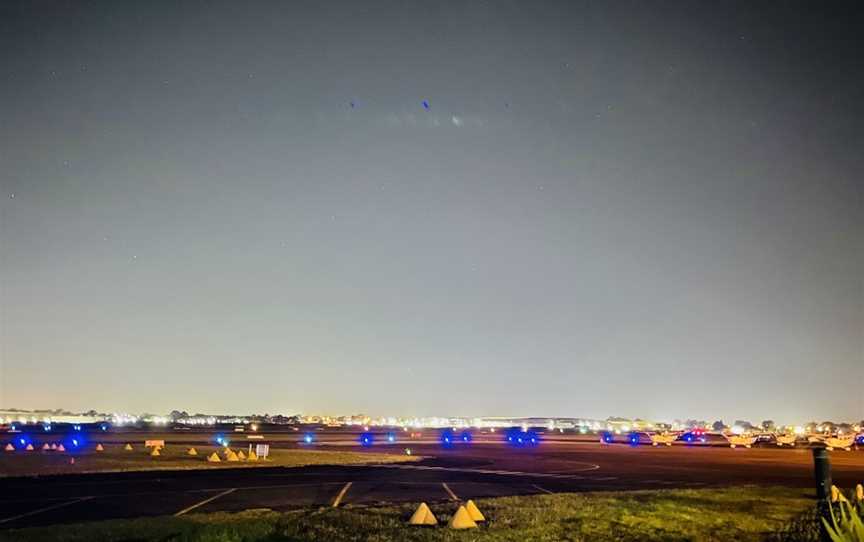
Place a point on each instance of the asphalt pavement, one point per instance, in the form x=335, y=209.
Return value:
x=480, y=469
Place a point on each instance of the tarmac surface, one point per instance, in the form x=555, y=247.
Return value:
x=486, y=467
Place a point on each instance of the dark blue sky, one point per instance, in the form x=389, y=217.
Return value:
x=607, y=208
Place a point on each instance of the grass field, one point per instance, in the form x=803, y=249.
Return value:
x=741, y=514
x=114, y=458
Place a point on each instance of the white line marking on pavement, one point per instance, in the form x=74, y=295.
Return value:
x=205, y=501
x=449, y=491
x=499, y=472
x=546, y=491
x=47, y=508
x=341, y=494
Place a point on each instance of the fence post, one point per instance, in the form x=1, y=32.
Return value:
x=822, y=472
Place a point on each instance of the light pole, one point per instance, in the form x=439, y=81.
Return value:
x=822, y=473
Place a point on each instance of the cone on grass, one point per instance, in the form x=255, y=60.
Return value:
x=61, y=448
x=252, y=456
x=128, y=447
x=9, y=447
x=29, y=447
x=241, y=456
x=462, y=520
x=46, y=447
x=100, y=448
x=191, y=451
x=53, y=446
x=71, y=460
x=423, y=516
x=474, y=512
x=213, y=458
x=155, y=452
x=230, y=455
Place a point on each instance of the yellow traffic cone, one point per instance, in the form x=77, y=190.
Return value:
x=155, y=452
x=29, y=447
x=9, y=447
x=192, y=451
x=61, y=448
x=241, y=456
x=253, y=456
x=128, y=447
x=53, y=446
x=474, y=512
x=100, y=448
x=46, y=447
x=230, y=455
x=71, y=460
x=461, y=520
x=213, y=458
x=423, y=516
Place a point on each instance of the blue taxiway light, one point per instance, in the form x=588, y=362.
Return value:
x=367, y=439
x=518, y=438
x=308, y=438
x=75, y=440
x=391, y=437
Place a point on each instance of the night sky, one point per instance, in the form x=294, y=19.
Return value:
x=646, y=209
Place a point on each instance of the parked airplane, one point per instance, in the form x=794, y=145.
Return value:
x=786, y=440
x=740, y=440
x=662, y=438
x=844, y=443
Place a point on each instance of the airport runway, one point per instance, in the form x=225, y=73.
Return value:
x=481, y=469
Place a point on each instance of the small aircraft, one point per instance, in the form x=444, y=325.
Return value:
x=740, y=440
x=844, y=443
x=662, y=438
x=786, y=440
